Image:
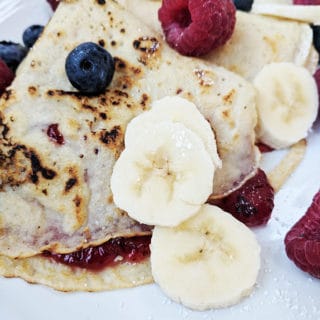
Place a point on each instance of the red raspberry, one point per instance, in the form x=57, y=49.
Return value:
x=54, y=4
x=195, y=27
x=303, y=240
x=6, y=76
x=307, y=2
x=317, y=78
x=253, y=203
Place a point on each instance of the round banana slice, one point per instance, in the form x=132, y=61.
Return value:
x=287, y=104
x=309, y=13
x=177, y=110
x=164, y=176
x=210, y=261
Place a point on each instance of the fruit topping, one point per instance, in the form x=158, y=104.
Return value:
x=6, y=76
x=54, y=134
x=252, y=203
x=31, y=34
x=108, y=254
x=90, y=68
x=303, y=240
x=287, y=104
x=210, y=261
x=196, y=27
x=54, y=4
x=306, y=2
x=12, y=54
x=243, y=5
x=316, y=37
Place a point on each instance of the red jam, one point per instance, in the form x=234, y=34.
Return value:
x=54, y=134
x=108, y=254
x=264, y=148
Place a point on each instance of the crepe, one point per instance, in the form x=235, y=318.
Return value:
x=57, y=197
x=256, y=41
x=42, y=270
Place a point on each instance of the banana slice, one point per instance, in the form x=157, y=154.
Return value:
x=209, y=261
x=309, y=13
x=177, y=110
x=287, y=103
x=163, y=176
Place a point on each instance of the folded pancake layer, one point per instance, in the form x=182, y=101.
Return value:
x=55, y=194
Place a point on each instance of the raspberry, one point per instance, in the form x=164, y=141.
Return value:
x=54, y=4
x=196, y=27
x=303, y=240
x=307, y=2
x=317, y=78
x=6, y=76
x=253, y=203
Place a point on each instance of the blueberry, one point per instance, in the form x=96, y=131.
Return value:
x=90, y=68
x=316, y=37
x=243, y=5
x=31, y=34
x=12, y=53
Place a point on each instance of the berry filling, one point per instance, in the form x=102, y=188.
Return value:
x=253, y=203
x=54, y=134
x=54, y=4
x=108, y=254
x=196, y=27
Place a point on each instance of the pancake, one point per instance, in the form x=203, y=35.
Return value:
x=256, y=41
x=41, y=270
x=56, y=195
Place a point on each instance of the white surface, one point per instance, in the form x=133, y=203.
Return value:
x=283, y=291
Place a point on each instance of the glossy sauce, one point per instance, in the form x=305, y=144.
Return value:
x=108, y=254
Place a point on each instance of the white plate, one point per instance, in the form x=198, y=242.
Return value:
x=283, y=292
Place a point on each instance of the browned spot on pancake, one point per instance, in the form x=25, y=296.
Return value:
x=77, y=201
x=148, y=48
x=205, y=77
x=32, y=90
x=123, y=30
x=88, y=107
x=119, y=63
x=70, y=184
x=101, y=43
x=8, y=94
x=112, y=138
x=226, y=113
x=228, y=98
x=103, y=115
x=45, y=192
x=110, y=199
x=4, y=129
x=178, y=91
x=113, y=43
x=101, y=2
x=37, y=167
x=144, y=99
